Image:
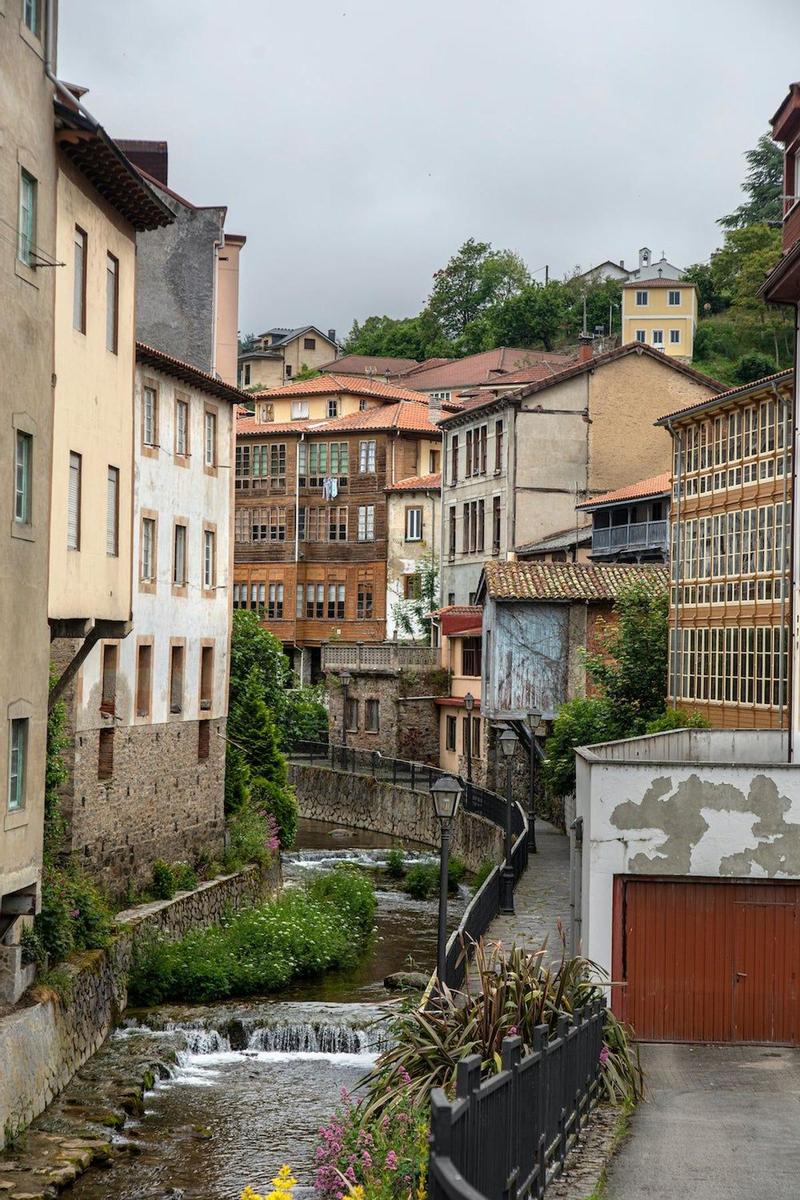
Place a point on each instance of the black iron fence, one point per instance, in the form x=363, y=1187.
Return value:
x=506, y=1138
x=419, y=777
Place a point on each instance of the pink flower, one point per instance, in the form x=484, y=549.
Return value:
x=391, y=1161
x=366, y=1158
x=604, y=1056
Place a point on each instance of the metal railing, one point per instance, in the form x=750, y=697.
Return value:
x=376, y=655
x=641, y=535
x=509, y=1135
x=479, y=802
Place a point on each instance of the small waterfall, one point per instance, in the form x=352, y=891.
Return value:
x=321, y=859
x=318, y=1038
x=206, y=1041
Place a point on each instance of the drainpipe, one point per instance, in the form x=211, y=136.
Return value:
x=675, y=656
x=49, y=49
x=575, y=885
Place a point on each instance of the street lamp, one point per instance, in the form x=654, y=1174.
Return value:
x=345, y=679
x=508, y=744
x=445, y=793
x=534, y=718
x=469, y=704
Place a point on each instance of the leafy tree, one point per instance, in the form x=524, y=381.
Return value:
x=533, y=316
x=417, y=337
x=709, y=299
x=580, y=722
x=413, y=616
x=763, y=186
x=475, y=278
x=256, y=756
x=740, y=267
x=247, y=342
x=254, y=646
x=753, y=366
x=603, y=304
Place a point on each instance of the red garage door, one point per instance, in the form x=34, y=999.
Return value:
x=708, y=960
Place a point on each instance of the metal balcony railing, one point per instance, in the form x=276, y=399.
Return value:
x=641, y=535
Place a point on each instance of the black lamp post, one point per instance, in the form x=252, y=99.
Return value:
x=446, y=794
x=345, y=679
x=469, y=704
x=534, y=717
x=508, y=744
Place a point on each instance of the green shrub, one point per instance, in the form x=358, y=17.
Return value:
x=280, y=802
x=75, y=915
x=163, y=884
x=395, y=864
x=185, y=877
x=422, y=880
x=260, y=949
x=251, y=838
x=753, y=366
x=456, y=873
x=676, y=718
x=482, y=875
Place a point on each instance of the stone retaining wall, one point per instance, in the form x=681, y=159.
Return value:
x=44, y=1044
x=360, y=802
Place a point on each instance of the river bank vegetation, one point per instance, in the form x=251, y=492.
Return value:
x=305, y=931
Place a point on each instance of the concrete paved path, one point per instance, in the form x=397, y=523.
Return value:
x=720, y=1123
x=541, y=898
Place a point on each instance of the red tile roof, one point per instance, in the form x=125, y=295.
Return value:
x=249, y=427
x=188, y=373
x=475, y=369
x=370, y=365
x=406, y=416
x=533, y=373
x=565, y=581
x=332, y=384
x=656, y=485
x=418, y=483
x=731, y=393
x=657, y=282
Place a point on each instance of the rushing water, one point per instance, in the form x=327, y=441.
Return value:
x=260, y=1076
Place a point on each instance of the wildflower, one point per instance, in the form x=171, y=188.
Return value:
x=74, y=912
x=391, y=1161
x=604, y=1056
x=366, y=1158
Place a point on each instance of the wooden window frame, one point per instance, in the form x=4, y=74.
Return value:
x=105, y=753
x=211, y=410
x=108, y=706
x=414, y=508
x=115, y=552
x=112, y=341
x=351, y=706
x=181, y=590
x=23, y=520
x=182, y=457
x=499, y=429
x=209, y=591
x=450, y=733
x=143, y=715
x=148, y=586
x=205, y=702
x=172, y=710
x=151, y=449
x=82, y=236
x=372, y=705
x=79, y=523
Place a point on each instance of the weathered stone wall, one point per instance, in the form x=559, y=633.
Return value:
x=43, y=1045
x=162, y=801
x=409, y=728
x=360, y=802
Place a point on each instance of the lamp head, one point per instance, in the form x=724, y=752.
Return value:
x=345, y=678
x=534, y=718
x=446, y=794
x=508, y=741
x=469, y=702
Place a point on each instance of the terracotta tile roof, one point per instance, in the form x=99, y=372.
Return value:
x=565, y=539
x=723, y=397
x=370, y=365
x=408, y=416
x=418, y=483
x=249, y=427
x=475, y=369
x=656, y=485
x=188, y=374
x=658, y=282
x=533, y=373
x=592, y=364
x=332, y=384
x=565, y=581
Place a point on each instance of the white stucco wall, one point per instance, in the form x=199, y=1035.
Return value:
x=169, y=490
x=723, y=819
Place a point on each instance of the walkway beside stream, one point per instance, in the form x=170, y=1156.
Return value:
x=541, y=898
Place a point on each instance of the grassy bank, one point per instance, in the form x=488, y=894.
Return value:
x=304, y=932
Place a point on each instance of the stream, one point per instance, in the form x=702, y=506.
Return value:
x=255, y=1079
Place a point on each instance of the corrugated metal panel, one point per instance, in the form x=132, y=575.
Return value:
x=712, y=961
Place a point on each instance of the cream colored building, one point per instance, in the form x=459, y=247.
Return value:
x=329, y=396
x=28, y=273
x=661, y=313
x=413, y=521
x=280, y=354
x=227, y=319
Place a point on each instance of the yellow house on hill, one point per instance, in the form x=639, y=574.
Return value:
x=661, y=313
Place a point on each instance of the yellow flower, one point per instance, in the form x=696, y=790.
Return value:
x=283, y=1184
x=249, y=1194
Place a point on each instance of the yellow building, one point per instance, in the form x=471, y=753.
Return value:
x=280, y=354
x=328, y=396
x=462, y=741
x=661, y=313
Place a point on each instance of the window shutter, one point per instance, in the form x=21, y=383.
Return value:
x=74, y=502
x=105, y=757
x=112, y=511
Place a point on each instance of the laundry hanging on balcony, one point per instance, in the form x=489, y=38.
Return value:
x=330, y=489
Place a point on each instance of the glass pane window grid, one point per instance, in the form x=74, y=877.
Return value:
x=17, y=766
x=182, y=434
x=22, y=478
x=26, y=236
x=149, y=417
x=210, y=440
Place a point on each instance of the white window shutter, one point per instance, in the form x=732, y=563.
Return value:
x=74, y=502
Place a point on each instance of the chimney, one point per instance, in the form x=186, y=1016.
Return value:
x=332, y=335
x=585, y=349
x=434, y=407
x=148, y=156
x=622, y=263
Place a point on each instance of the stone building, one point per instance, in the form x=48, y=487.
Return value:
x=413, y=522
x=28, y=257
x=149, y=710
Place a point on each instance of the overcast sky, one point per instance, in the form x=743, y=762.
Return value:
x=357, y=143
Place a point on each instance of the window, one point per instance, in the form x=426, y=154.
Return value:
x=454, y=459
x=449, y=733
x=26, y=237
x=476, y=737
x=412, y=586
x=242, y=467
x=182, y=435
x=246, y=375
x=112, y=303
x=498, y=447
x=108, y=678
x=144, y=668
x=372, y=716
x=451, y=541
x=658, y=337
x=289, y=376
x=413, y=524
x=337, y=523
x=351, y=715
x=315, y=601
x=364, y=608
x=451, y=598
x=148, y=573
x=641, y=336
x=264, y=525
x=79, y=282
x=641, y=298
x=150, y=417
x=674, y=336
x=257, y=595
x=206, y=676
x=366, y=458
x=674, y=298
x=433, y=462
x=18, y=752
x=481, y=538
x=179, y=556
x=209, y=559
x=309, y=343
x=465, y=530
x=483, y=433
x=333, y=407
x=203, y=739
x=176, y=658
x=299, y=409
x=496, y=525
x=275, y=605
x=74, y=502
x=366, y=522
x=22, y=478
x=32, y=16
x=468, y=463
x=105, y=754
x=440, y=396
x=336, y=596
x=112, y=512
x=210, y=440
x=471, y=656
